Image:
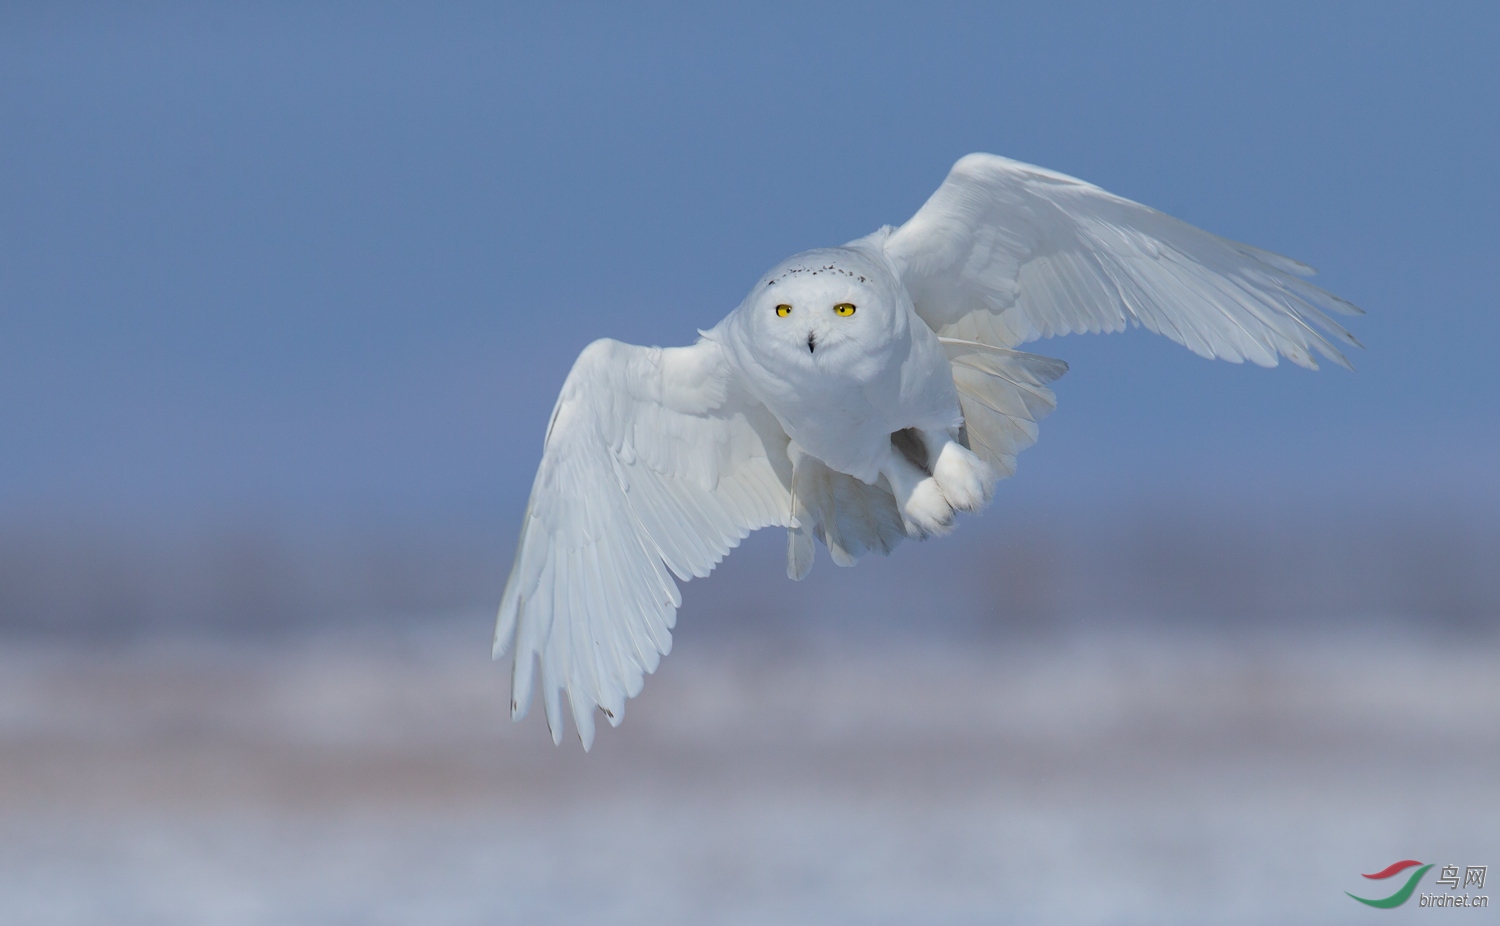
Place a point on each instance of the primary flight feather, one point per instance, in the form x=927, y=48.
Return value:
x=857, y=396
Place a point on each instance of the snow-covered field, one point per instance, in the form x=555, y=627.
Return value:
x=373, y=778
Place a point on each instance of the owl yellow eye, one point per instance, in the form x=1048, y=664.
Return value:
x=844, y=309
x=783, y=310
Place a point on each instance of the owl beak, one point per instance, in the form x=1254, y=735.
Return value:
x=812, y=342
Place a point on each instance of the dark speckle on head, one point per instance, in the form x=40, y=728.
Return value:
x=816, y=269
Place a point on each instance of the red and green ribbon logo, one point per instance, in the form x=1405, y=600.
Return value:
x=1401, y=896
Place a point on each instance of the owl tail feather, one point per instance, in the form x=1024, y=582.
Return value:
x=850, y=517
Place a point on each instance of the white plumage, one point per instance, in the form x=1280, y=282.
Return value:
x=857, y=396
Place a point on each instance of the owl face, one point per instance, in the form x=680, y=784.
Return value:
x=833, y=311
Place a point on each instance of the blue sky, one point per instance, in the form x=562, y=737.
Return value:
x=320, y=263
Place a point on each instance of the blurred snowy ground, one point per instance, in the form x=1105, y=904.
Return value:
x=1098, y=775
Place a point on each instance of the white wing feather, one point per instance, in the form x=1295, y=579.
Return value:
x=1003, y=395
x=654, y=464
x=1005, y=253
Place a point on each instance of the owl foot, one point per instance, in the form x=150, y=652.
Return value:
x=925, y=511
x=966, y=481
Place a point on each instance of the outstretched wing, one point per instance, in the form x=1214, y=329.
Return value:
x=1005, y=252
x=655, y=464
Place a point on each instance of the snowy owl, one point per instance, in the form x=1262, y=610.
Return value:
x=857, y=396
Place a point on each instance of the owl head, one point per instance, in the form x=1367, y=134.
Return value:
x=832, y=311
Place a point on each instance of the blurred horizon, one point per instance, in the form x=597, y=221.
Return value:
x=1026, y=572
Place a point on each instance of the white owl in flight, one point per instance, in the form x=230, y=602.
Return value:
x=858, y=395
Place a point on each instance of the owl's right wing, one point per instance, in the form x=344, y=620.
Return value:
x=655, y=463
x=1005, y=252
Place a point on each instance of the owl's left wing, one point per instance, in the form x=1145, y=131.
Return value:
x=1005, y=252
x=655, y=463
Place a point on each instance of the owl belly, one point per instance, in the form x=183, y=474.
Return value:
x=841, y=428
x=848, y=426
